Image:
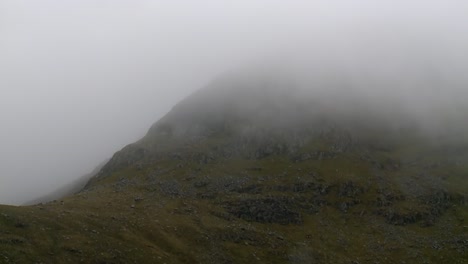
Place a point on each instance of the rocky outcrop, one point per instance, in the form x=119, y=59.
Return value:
x=270, y=210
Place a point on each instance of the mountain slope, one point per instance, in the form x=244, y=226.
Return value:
x=250, y=171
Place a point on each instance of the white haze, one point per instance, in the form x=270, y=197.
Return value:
x=79, y=79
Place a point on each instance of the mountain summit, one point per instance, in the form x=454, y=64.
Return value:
x=264, y=169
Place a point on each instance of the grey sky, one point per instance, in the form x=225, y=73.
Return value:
x=80, y=79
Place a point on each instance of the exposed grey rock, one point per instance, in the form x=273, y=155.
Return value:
x=270, y=210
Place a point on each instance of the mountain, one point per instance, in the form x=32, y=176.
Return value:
x=264, y=170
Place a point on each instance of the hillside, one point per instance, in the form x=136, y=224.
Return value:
x=255, y=171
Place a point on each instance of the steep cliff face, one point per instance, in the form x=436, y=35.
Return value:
x=262, y=171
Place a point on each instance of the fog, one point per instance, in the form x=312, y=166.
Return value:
x=81, y=79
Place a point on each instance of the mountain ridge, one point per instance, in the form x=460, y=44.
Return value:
x=240, y=173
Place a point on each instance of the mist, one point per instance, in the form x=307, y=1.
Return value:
x=81, y=79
